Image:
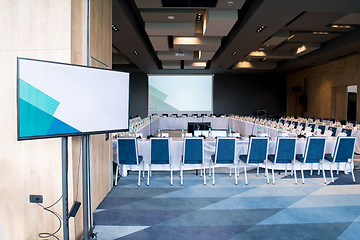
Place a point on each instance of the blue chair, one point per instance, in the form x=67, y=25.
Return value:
x=314, y=153
x=160, y=154
x=257, y=154
x=127, y=155
x=334, y=130
x=322, y=128
x=303, y=125
x=295, y=124
x=284, y=154
x=343, y=122
x=312, y=126
x=343, y=153
x=193, y=154
x=225, y=151
x=347, y=131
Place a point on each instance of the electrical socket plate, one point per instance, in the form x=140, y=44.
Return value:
x=36, y=198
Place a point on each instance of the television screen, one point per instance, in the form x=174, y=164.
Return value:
x=57, y=99
x=180, y=93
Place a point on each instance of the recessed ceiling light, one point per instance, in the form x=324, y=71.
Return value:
x=114, y=28
x=199, y=64
x=261, y=49
x=234, y=53
x=136, y=52
x=171, y=17
x=320, y=33
x=260, y=29
x=291, y=37
x=230, y=3
x=301, y=49
x=340, y=26
x=199, y=17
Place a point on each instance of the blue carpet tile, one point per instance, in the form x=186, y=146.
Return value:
x=226, y=211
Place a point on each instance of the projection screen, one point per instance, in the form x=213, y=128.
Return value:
x=180, y=93
x=56, y=99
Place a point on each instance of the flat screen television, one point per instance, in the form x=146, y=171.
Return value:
x=57, y=99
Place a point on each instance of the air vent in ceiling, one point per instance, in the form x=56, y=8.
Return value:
x=190, y=3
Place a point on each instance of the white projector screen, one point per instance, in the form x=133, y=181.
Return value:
x=180, y=93
x=56, y=99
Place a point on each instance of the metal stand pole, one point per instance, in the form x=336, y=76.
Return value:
x=64, y=157
x=85, y=186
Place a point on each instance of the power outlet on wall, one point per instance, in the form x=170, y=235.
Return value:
x=36, y=198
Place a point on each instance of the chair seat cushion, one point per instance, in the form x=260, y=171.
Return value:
x=243, y=158
x=300, y=158
x=271, y=158
x=329, y=157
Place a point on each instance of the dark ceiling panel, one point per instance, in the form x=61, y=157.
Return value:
x=312, y=38
x=313, y=20
x=287, y=47
x=189, y=3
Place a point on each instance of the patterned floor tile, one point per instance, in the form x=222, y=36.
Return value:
x=221, y=217
x=187, y=232
x=328, y=201
x=114, y=232
x=319, y=231
x=254, y=202
x=171, y=203
x=313, y=215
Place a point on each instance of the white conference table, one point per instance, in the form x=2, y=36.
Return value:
x=177, y=147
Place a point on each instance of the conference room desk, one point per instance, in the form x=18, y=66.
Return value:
x=246, y=128
x=172, y=123
x=177, y=147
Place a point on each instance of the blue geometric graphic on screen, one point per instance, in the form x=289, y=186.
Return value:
x=37, y=98
x=59, y=127
x=157, y=100
x=35, y=122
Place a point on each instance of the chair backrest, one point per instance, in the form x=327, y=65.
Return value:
x=347, y=131
x=322, y=128
x=285, y=149
x=295, y=124
x=333, y=129
x=314, y=150
x=159, y=151
x=127, y=151
x=257, y=150
x=303, y=125
x=193, y=150
x=343, y=122
x=225, y=150
x=344, y=149
x=312, y=126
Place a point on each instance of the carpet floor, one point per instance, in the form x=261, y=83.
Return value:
x=313, y=210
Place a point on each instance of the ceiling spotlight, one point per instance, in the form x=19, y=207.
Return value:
x=291, y=37
x=171, y=17
x=340, y=26
x=230, y=3
x=136, y=52
x=234, y=53
x=199, y=17
x=114, y=28
x=260, y=29
x=320, y=33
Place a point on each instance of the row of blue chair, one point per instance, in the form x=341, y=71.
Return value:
x=225, y=154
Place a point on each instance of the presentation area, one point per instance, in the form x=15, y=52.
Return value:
x=57, y=99
x=180, y=93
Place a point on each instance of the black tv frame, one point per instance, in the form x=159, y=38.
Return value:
x=61, y=135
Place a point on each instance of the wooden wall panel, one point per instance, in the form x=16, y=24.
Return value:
x=100, y=49
x=320, y=83
x=34, y=29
